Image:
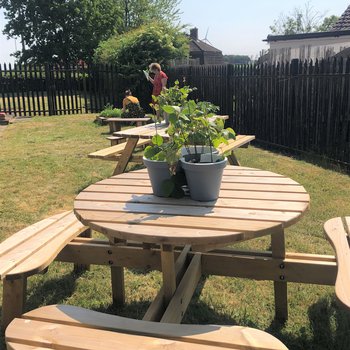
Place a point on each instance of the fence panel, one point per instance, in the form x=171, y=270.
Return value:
x=303, y=106
x=59, y=89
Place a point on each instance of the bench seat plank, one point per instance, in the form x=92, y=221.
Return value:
x=115, y=150
x=338, y=232
x=240, y=141
x=50, y=323
x=31, y=253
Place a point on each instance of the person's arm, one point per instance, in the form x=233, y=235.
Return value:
x=164, y=81
x=151, y=80
x=124, y=104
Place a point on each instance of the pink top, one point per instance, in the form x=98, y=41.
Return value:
x=157, y=84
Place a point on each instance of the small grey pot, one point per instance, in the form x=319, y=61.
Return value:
x=204, y=179
x=157, y=172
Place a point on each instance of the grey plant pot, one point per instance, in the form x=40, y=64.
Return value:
x=204, y=179
x=200, y=149
x=157, y=172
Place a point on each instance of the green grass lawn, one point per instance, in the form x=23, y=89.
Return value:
x=44, y=165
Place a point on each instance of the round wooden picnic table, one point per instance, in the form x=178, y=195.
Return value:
x=252, y=203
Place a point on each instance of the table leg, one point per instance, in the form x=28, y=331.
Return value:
x=232, y=159
x=168, y=271
x=126, y=155
x=13, y=300
x=280, y=288
x=114, y=127
x=117, y=280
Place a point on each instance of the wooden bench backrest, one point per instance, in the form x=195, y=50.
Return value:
x=32, y=249
x=70, y=325
x=338, y=232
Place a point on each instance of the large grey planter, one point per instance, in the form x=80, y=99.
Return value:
x=157, y=172
x=204, y=179
x=199, y=149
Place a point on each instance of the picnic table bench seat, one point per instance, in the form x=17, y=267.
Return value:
x=240, y=141
x=30, y=251
x=338, y=233
x=115, y=140
x=114, y=152
x=71, y=327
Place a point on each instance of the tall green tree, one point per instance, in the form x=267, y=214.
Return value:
x=60, y=30
x=302, y=20
x=140, y=12
x=68, y=30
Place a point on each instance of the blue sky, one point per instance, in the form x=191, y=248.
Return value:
x=235, y=27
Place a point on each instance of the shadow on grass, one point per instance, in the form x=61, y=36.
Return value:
x=52, y=291
x=330, y=329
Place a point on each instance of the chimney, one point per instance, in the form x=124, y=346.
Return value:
x=194, y=33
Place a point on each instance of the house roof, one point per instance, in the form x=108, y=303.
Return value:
x=199, y=45
x=343, y=22
x=344, y=53
x=314, y=35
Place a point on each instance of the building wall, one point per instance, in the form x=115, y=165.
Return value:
x=286, y=50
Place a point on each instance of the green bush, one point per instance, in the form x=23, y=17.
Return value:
x=131, y=52
x=110, y=112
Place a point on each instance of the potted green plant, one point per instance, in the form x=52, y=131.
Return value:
x=160, y=159
x=195, y=129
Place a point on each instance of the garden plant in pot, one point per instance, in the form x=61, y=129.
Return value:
x=195, y=129
x=193, y=135
x=175, y=96
x=160, y=159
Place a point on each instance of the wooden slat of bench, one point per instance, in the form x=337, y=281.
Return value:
x=240, y=141
x=338, y=232
x=215, y=336
x=16, y=346
x=114, y=150
x=32, y=255
x=27, y=233
x=111, y=120
x=64, y=337
x=47, y=253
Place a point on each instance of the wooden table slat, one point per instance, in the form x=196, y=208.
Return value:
x=220, y=203
x=299, y=197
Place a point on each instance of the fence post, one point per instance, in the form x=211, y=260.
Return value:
x=294, y=66
x=49, y=90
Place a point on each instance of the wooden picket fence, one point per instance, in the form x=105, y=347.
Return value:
x=303, y=106
x=32, y=90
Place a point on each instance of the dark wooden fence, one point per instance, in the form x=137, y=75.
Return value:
x=301, y=106
x=32, y=90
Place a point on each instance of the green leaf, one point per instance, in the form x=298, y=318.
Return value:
x=150, y=152
x=167, y=187
x=157, y=140
x=168, y=109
